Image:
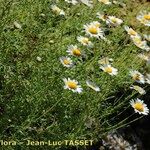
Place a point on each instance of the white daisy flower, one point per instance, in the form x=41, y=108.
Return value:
x=93, y=29
x=147, y=37
x=74, y=51
x=130, y=31
x=66, y=61
x=144, y=18
x=85, y=41
x=92, y=85
x=139, y=106
x=72, y=85
x=102, y=16
x=105, y=61
x=109, y=69
x=74, y=2
x=57, y=10
x=139, y=43
x=137, y=76
x=112, y=20
x=138, y=89
x=107, y=2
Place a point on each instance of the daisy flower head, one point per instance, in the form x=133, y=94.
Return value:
x=93, y=30
x=66, y=61
x=140, y=44
x=74, y=2
x=74, y=50
x=72, y=85
x=107, y=2
x=85, y=41
x=92, y=85
x=57, y=10
x=138, y=89
x=130, y=31
x=109, y=69
x=139, y=106
x=101, y=16
x=137, y=76
x=113, y=21
x=144, y=18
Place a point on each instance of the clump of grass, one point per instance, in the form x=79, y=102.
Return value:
x=35, y=104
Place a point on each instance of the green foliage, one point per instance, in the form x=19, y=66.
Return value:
x=33, y=101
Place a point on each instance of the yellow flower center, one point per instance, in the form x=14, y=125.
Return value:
x=136, y=77
x=114, y=20
x=93, y=30
x=108, y=70
x=138, y=106
x=132, y=32
x=76, y=52
x=66, y=62
x=147, y=17
x=72, y=85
